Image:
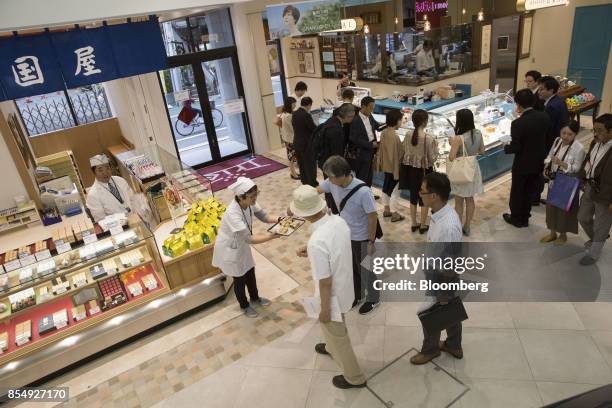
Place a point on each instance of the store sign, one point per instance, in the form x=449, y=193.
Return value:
x=48, y=62
x=526, y=5
x=430, y=6
x=312, y=17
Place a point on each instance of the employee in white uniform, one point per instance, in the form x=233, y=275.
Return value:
x=109, y=194
x=232, y=253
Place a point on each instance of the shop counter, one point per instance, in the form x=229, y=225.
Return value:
x=384, y=105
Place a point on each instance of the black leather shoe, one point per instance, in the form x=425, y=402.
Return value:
x=509, y=220
x=340, y=382
x=320, y=348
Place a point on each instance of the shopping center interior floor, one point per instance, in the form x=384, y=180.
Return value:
x=516, y=354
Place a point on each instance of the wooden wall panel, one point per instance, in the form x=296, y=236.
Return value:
x=85, y=141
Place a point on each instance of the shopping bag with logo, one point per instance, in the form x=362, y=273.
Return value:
x=186, y=115
x=462, y=170
x=562, y=191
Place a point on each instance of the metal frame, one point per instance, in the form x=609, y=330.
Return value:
x=195, y=60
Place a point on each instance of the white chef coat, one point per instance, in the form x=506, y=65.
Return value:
x=101, y=202
x=232, y=252
x=424, y=60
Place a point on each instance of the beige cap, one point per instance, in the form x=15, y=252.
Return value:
x=242, y=185
x=98, y=160
x=306, y=201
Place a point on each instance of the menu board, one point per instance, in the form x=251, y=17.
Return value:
x=341, y=57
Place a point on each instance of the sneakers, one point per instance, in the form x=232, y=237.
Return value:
x=420, y=358
x=340, y=382
x=367, y=307
x=263, y=302
x=320, y=348
x=250, y=312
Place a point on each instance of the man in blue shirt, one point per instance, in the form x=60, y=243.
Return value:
x=359, y=212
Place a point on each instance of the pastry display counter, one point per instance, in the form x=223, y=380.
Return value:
x=70, y=281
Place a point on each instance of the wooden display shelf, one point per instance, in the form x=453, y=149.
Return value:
x=570, y=91
x=90, y=283
x=24, y=216
x=587, y=106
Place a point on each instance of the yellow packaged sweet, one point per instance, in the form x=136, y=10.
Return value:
x=195, y=242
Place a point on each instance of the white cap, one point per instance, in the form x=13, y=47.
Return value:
x=306, y=201
x=98, y=160
x=242, y=185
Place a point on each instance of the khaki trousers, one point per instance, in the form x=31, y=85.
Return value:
x=338, y=345
x=595, y=220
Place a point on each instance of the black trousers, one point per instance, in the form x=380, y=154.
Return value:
x=363, y=170
x=248, y=280
x=362, y=278
x=522, y=191
x=308, y=167
x=431, y=339
x=537, y=194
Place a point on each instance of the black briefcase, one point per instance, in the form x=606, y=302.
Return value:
x=439, y=317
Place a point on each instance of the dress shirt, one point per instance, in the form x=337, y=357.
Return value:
x=368, y=125
x=329, y=252
x=573, y=158
x=548, y=100
x=445, y=226
x=599, y=151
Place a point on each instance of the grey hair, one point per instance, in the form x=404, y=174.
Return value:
x=345, y=110
x=336, y=166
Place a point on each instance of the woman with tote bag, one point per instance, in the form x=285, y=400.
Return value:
x=462, y=168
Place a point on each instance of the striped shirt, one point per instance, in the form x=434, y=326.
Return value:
x=445, y=226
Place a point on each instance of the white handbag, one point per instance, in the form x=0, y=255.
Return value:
x=462, y=170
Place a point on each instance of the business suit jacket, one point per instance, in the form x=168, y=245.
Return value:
x=358, y=137
x=334, y=139
x=528, y=144
x=539, y=102
x=303, y=126
x=558, y=114
x=602, y=176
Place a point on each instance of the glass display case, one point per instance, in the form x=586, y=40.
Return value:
x=371, y=64
x=71, y=276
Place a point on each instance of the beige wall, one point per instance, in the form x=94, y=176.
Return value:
x=550, y=44
x=12, y=185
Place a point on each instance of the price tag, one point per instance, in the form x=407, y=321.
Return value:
x=63, y=247
x=1, y=269
x=21, y=342
x=88, y=238
x=94, y=310
x=60, y=290
x=12, y=265
x=28, y=260
x=61, y=324
x=42, y=255
x=80, y=316
x=116, y=230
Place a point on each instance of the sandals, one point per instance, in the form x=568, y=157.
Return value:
x=387, y=214
x=397, y=217
x=415, y=228
x=295, y=177
x=423, y=229
x=548, y=238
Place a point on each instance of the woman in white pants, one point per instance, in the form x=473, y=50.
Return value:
x=391, y=153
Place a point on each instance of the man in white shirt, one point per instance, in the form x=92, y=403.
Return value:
x=109, y=194
x=595, y=212
x=329, y=251
x=425, y=63
x=445, y=227
x=362, y=144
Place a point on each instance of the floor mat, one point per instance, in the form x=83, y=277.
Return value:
x=223, y=174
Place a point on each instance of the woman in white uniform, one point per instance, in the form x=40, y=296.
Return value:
x=232, y=253
x=109, y=194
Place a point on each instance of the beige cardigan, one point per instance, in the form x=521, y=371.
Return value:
x=390, y=152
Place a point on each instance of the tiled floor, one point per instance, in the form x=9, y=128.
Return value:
x=516, y=354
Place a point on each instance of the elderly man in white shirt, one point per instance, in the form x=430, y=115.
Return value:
x=445, y=227
x=329, y=251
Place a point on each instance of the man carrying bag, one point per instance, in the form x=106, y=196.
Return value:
x=443, y=310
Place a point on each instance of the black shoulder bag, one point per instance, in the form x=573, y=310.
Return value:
x=379, y=231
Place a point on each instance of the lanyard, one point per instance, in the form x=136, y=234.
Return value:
x=118, y=195
x=249, y=226
x=593, y=160
x=557, y=152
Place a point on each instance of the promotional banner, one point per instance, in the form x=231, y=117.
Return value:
x=85, y=56
x=288, y=20
x=48, y=62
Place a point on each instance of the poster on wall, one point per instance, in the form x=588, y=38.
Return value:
x=273, y=60
x=289, y=20
x=485, y=52
x=309, y=62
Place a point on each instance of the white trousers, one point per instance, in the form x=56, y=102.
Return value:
x=392, y=200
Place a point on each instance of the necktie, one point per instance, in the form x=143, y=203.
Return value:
x=112, y=187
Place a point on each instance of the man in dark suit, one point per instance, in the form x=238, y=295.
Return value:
x=348, y=95
x=362, y=141
x=532, y=81
x=303, y=126
x=528, y=145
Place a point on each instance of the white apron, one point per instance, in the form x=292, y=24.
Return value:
x=101, y=202
x=232, y=252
